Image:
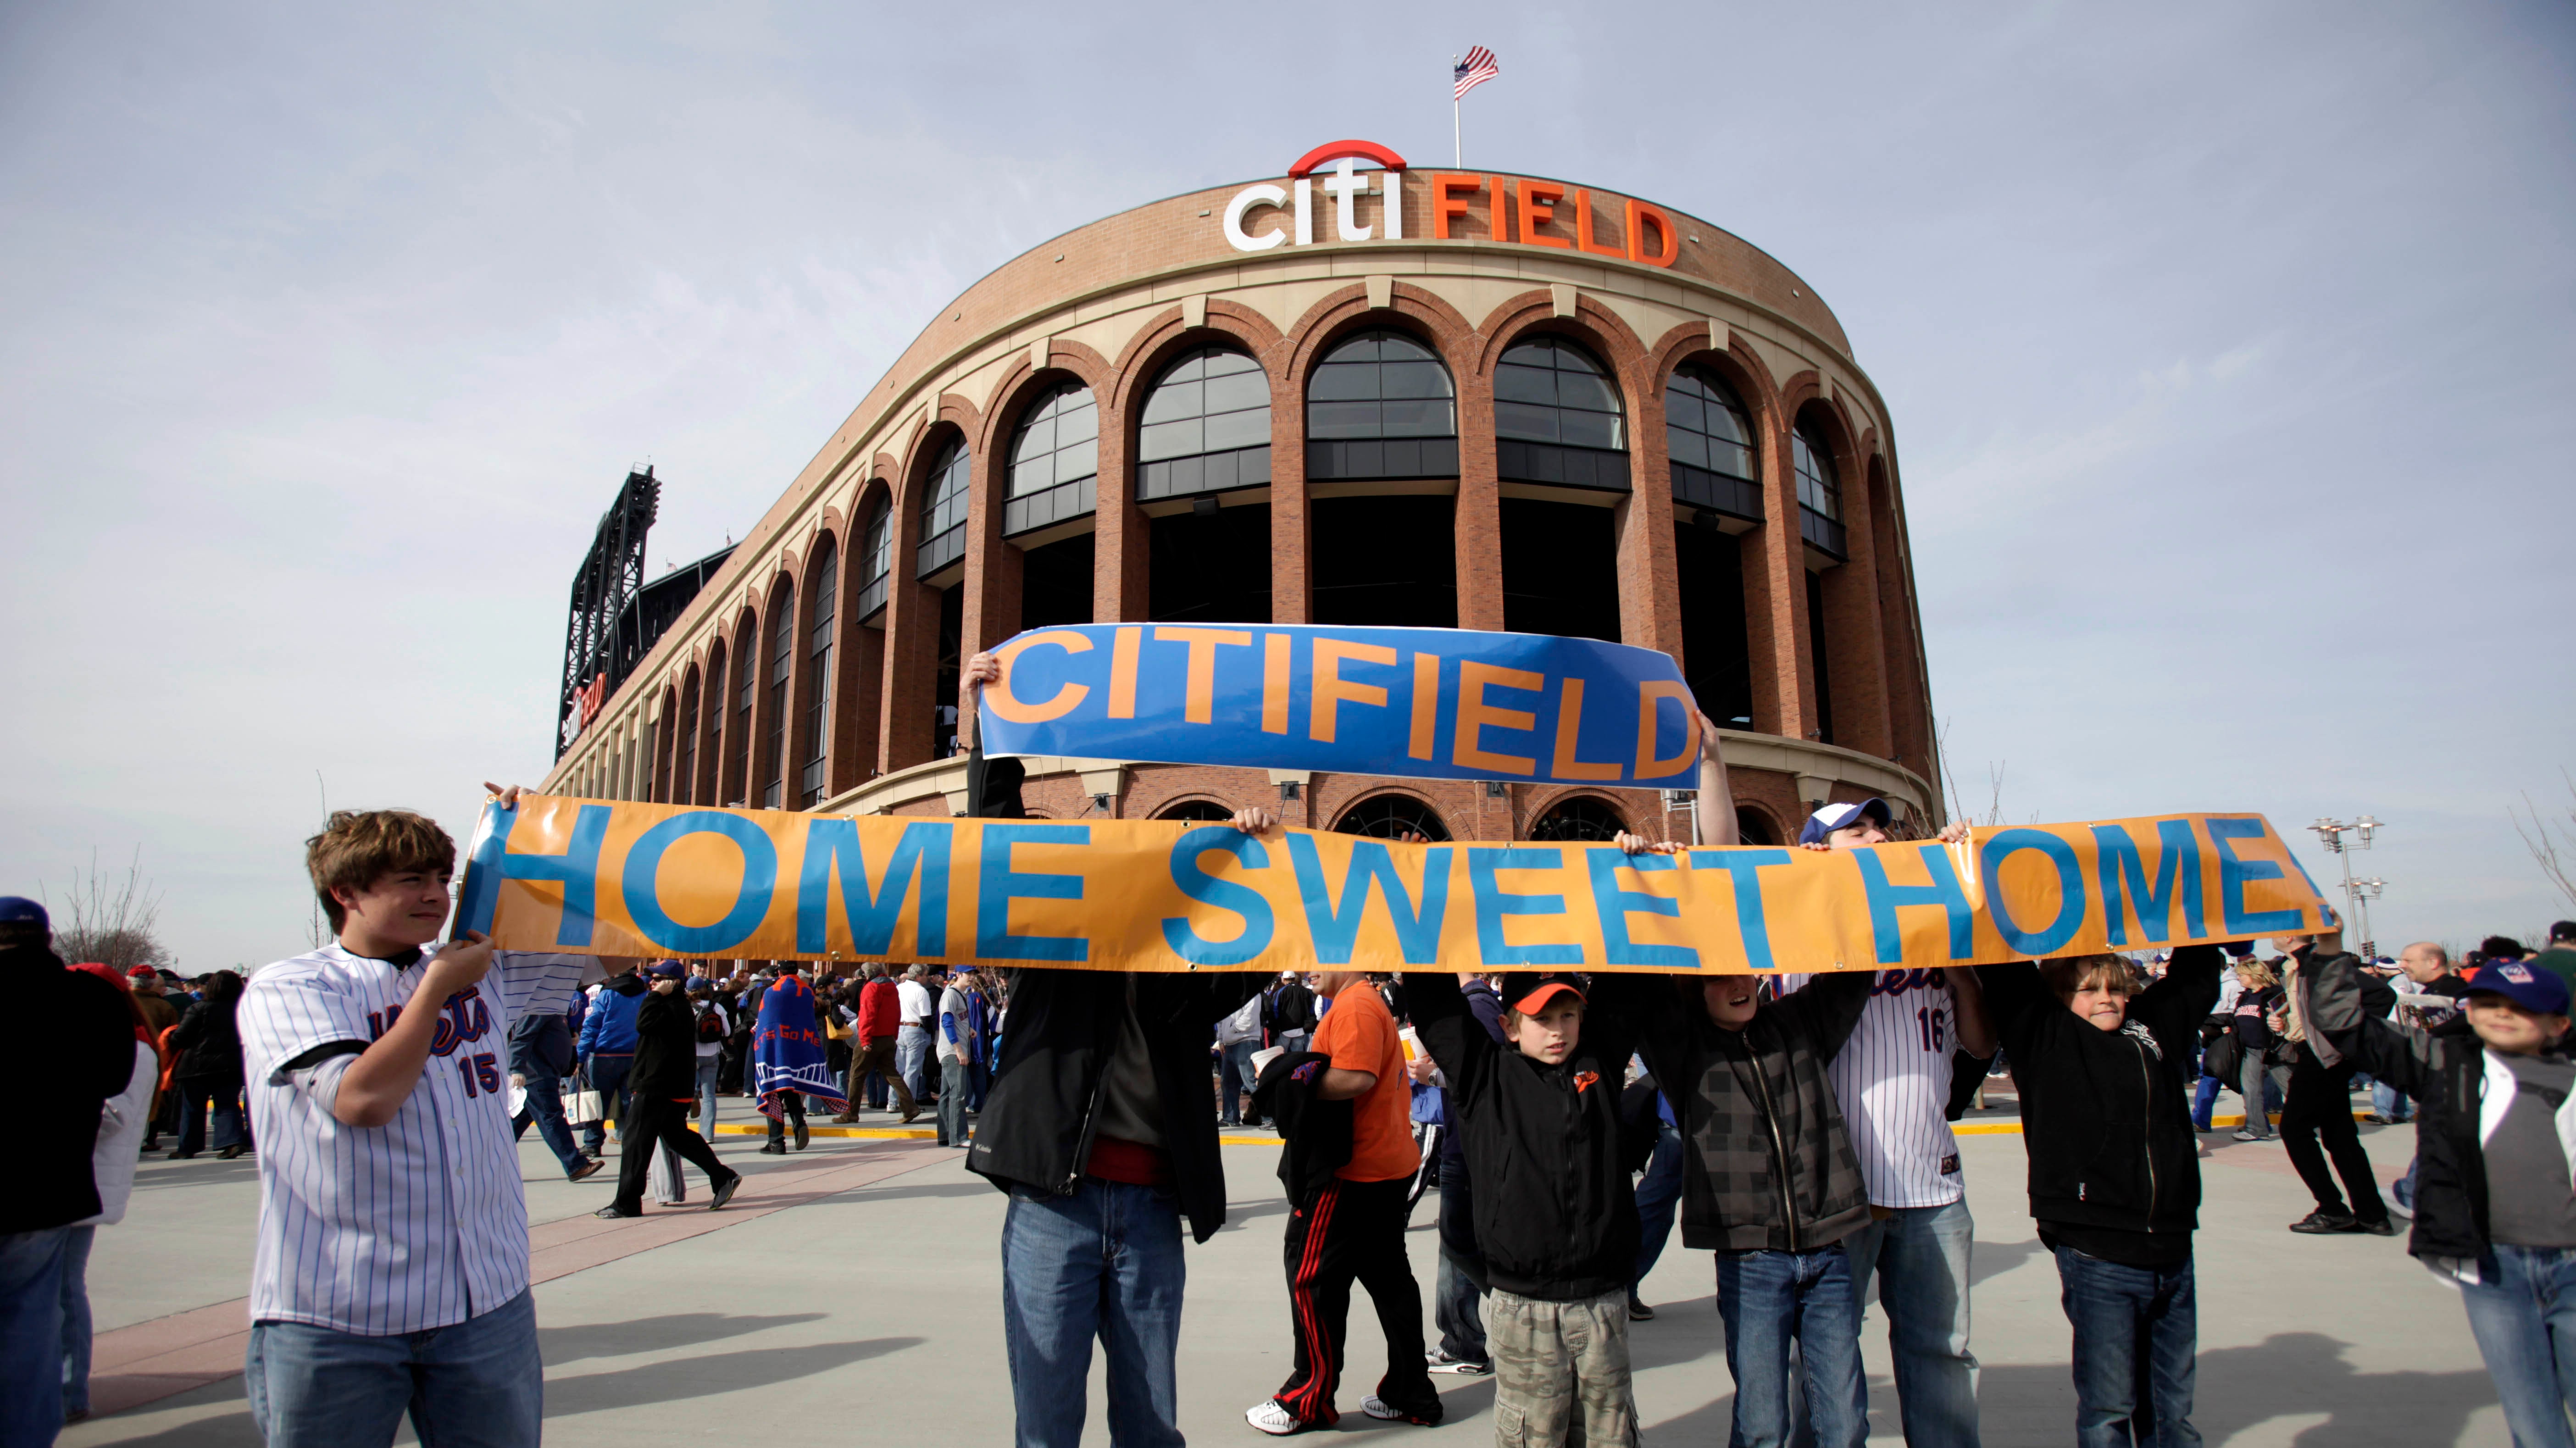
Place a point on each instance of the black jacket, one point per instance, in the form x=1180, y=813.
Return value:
x=541, y=1045
x=1289, y=1008
x=2444, y=1069
x=80, y=1054
x=666, y=1047
x=209, y=1042
x=1314, y=1134
x=2106, y=1115
x=1768, y=1163
x=1556, y=1216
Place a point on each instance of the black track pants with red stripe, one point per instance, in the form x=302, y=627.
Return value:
x=1345, y=1232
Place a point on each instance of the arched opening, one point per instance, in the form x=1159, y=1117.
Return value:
x=684, y=768
x=1194, y=809
x=772, y=779
x=1392, y=816
x=1204, y=433
x=1717, y=499
x=1052, y=488
x=744, y=681
x=1753, y=827
x=1820, y=525
x=943, y=508
x=1381, y=460
x=706, y=782
x=1579, y=817
x=814, y=769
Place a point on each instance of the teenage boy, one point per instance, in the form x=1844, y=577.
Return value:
x=1893, y=1080
x=1539, y=1121
x=391, y=1273
x=2115, y=1173
x=1769, y=1178
x=956, y=1047
x=2493, y=1211
x=2318, y=1103
x=1351, y=1227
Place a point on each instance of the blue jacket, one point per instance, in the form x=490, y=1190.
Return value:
x=609, y=1027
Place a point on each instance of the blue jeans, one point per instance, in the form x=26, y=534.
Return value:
x=76, y=1319
x=2390, y=1103
x=544, y=1110
x=1104, y=1262
x=1234, y=1080
x=2523, y=1313
x=2204, y=1100
x=2136, y=1331
x=607, y=1077
x=1659, y=1192
x=1770, y=1300
x=477, y=1384
x=193, y=1097
x=1920, y=1258
x=911, y=1048
x=707, y=1068
x=31, y=1336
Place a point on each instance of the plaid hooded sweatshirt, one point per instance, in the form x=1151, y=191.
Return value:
x=1767, y=1164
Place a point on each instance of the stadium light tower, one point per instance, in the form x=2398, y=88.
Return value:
x=2333, y=832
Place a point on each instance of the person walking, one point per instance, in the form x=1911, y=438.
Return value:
x=711, y=1024
x=788, y=1060
x=914, y=1007
x=144, y=987
x=1238, y=1038
x=121, y=1121
x=665, y=1075
x=541, y=1055
x=874, y=1064
x=607, y=1047
x=2258, y=999
x=2318, y=1105
x=210, y=1070
x=956, y=1036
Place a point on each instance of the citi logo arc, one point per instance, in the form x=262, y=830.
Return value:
x=1513, y=209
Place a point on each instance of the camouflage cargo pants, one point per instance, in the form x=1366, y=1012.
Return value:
x=1561, y=1372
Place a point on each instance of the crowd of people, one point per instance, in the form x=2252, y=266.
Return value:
x=1797, y=1129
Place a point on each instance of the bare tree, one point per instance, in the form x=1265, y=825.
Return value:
x=2552, y=842
x=111, y=920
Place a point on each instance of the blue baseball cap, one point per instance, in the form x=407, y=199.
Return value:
x=695, y=982
x=1841, y=816
x=19, y=910
x=669, y=969
x=2541, y=992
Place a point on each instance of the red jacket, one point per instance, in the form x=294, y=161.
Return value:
x=877, y=1009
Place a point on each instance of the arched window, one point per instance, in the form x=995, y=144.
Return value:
x=1392, y=817
x=1579, y=818
x=1194, y=809
x=1380, y=405
x=1055, y=461
x=1557, y=417
x=818, y=670
x=746, y=688
x=782, y=661
x=1752, y=827
x=877, y=546
x=1206, y=427
x=1820, y=494
x=943, y=514
x=1710, y=440
x=684, y=770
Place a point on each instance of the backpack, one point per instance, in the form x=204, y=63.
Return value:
x=711, y=1026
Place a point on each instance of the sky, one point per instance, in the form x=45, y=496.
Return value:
x=2229, y=348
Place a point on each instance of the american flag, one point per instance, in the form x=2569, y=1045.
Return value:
x=1478, y=68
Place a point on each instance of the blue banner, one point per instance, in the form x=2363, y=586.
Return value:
x=1428, y=702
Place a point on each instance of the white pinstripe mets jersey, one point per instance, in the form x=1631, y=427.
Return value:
x=416, y=1224
x=1893, y=1080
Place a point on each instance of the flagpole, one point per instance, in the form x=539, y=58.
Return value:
x=1457, y=136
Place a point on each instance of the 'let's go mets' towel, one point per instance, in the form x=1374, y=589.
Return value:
x=787, y=1048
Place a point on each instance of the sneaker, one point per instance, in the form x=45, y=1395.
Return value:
x=802, y=1135
x=724, y=1192
x=1439, y=1361
x=1638, y=1311
x=2320, y=1223
x=613, y=1212
x=1273, y=1419
x=2381, y=1228
x=773, y=1149
x=1384, y=1411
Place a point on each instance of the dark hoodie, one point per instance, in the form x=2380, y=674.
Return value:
x=82, y=1055
x=1556, y=1215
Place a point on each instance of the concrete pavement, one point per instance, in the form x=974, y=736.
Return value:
x=853, y=1292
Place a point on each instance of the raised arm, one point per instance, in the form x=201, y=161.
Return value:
x=1449, y=1030
x=2402, y=1056
x=1713, y=817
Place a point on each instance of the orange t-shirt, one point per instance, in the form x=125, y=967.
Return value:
x=1358, y=1033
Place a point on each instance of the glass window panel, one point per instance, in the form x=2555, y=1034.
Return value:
x=1078, y=421
x=1341, y=384
x=1524, y=384
x=1726, y=422
x=1726, y=457
x=1687, y=447
x=1525, y=421
x=1413, y=379
x=1238, y=429
x=1033, y=475
x=1175, y=399
x=1397, y=347
x=1574, y=359
x=1339, y=420
x=1035, y=441
x=1226, y=364
x=1237, y=391
x=1574, y=389
x=1420, y=417
x=1077, y=460
x=1682, y=407
x=1588, y=429
x=1160, y=440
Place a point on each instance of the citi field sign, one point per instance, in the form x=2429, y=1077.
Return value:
x=1453, y=206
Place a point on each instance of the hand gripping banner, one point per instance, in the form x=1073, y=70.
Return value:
x=1428, y=702
x=616, y=878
